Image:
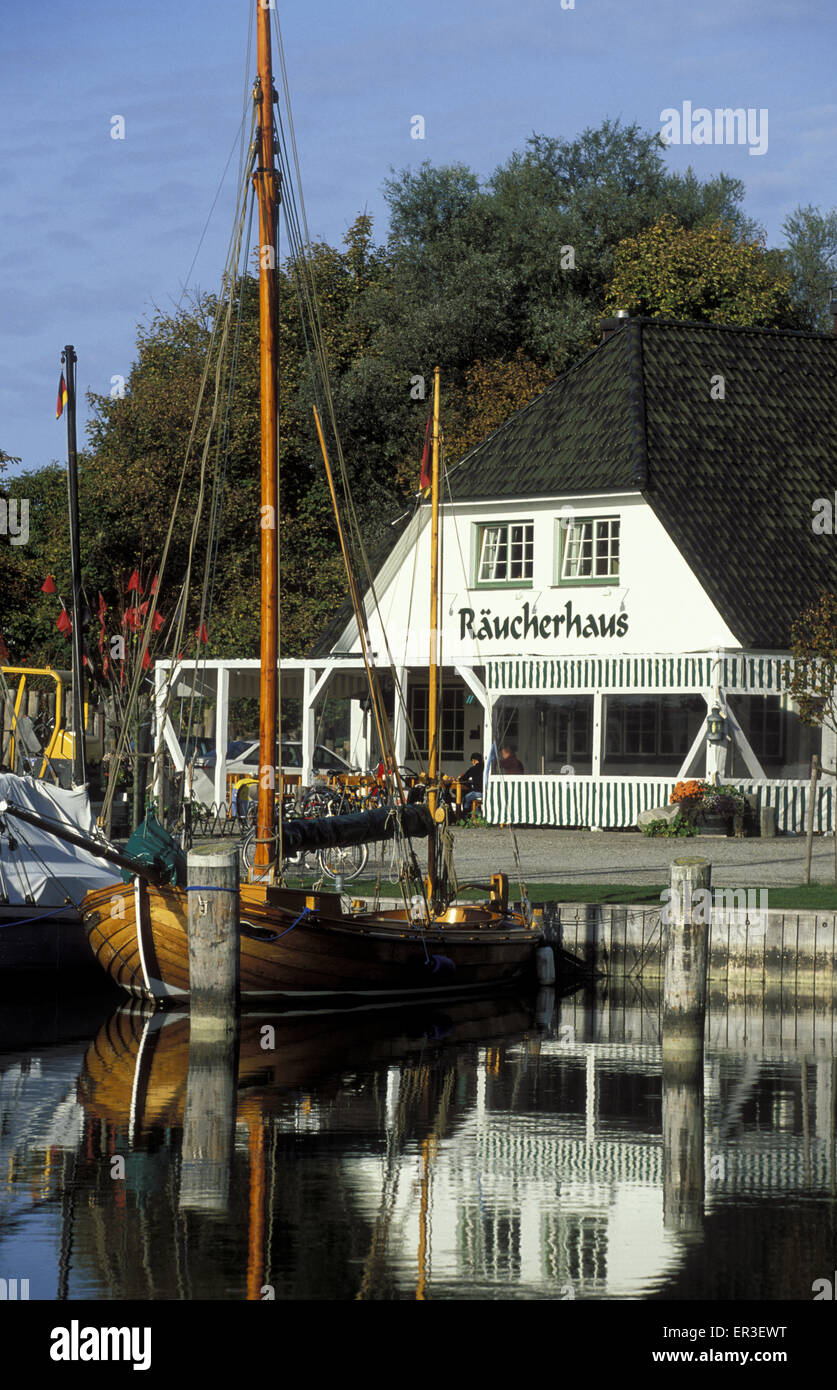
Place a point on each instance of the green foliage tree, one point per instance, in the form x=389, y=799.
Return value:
x=812, y=678
x=811, y=257
x=706, y=274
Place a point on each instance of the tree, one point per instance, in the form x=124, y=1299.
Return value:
x=494, y=390
x=812, y=679
x=706, y=274
x=811, y=256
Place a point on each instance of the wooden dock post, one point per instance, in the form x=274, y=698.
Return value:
x=684, y=1014
x=214, y=990
x=214, y=959
x=686, y=960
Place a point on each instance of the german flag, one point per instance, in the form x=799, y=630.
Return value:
x=426, y=481
x=62, y=398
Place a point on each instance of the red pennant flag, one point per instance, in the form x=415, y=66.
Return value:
x=49, y=585
x=131, y=618
x=134, y=583
x=63, y=622
x=157, y=623
x=4, y=651
x=146, y=660
x=154, y=585
x=426, y=481
x=201, y=633
x=62, y=398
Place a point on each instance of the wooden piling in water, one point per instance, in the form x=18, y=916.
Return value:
x=686, y=962
x=684, y=1016
x=214, y=1001
x=214, y=960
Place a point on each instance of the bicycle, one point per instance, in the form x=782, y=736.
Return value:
x=335, y=861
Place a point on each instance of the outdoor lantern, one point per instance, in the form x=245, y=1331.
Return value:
x=716, y=726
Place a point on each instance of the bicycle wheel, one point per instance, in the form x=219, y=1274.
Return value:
x=247, y=849
x=345, y=860
x=320, y=801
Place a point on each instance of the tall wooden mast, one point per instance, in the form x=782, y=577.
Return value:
x=433, y=669
x=267, y=187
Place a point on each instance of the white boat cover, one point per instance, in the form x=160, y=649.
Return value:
x=42, y=870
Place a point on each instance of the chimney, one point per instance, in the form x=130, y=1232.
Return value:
x=609, y=326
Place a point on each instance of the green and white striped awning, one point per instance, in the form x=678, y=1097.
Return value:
x=559, y=675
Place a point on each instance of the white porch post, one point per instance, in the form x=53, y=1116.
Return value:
x=312, y=691
x=222, y=721
x=599, y=713
x=399, y=717
x=599, y=726
x=359, y=742
x=477, y=688
x=309, y=682
x=157, y=781
x=754, y=767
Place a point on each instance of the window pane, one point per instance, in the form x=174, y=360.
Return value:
x=506, y=553
x=591, y=549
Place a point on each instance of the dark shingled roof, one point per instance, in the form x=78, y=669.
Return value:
x=732, y=480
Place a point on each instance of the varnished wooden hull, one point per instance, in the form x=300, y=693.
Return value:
x=139, y=935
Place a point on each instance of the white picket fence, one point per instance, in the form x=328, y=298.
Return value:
x=613, y=803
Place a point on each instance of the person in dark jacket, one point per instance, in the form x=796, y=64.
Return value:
x=472, y=778
x=509, y=762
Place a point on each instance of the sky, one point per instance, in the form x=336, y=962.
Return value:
x=98, y=234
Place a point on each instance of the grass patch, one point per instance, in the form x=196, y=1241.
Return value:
x=815, y=897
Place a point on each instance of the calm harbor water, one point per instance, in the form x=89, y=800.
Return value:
x=517, y=1148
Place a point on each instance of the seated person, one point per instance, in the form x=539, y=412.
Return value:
x=472, y=778
x=509, y=762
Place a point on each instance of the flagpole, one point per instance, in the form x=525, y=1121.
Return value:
x=68, y=358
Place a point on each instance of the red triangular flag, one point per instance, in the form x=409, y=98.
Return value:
x=201, y=633
x=134, y=583
x=426, y=481
x=146, y=660
x=157, y=623
x=63, y=622
x=4, y=651
x=154, y=585
x=49, y=586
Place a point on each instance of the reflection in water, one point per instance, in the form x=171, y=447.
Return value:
x=493, y=1149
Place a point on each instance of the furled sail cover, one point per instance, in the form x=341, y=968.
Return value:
x=361, y=827
x=35, y=867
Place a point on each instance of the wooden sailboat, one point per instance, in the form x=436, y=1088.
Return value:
x=295, y=943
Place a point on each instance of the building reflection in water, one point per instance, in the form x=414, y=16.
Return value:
x=494, y=1149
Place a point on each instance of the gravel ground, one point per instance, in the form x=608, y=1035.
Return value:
x=612, y=856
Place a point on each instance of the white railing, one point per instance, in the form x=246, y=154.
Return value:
x=613, y=803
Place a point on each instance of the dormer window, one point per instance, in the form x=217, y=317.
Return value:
x=505, y=553
x=588, y=550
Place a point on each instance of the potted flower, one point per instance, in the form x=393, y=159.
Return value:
x=715, y=809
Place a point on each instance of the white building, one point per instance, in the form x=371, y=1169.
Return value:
x=624, y=555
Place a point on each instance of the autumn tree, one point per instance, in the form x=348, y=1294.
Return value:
x=703, y=274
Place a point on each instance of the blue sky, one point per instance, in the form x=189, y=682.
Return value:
x=97, y=232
